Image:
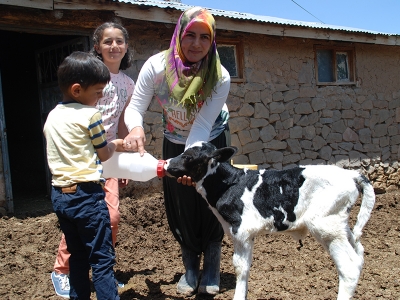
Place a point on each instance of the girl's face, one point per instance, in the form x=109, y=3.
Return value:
x=112, y=46
x=196, y=42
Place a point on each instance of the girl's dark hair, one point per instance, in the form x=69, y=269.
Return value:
x=98, y=35
x=83, y=68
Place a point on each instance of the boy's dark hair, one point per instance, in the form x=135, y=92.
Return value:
x=126, y=61
x=83, y=68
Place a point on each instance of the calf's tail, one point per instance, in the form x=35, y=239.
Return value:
x=367, y=204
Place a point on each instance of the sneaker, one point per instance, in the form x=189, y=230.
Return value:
x=61, y=284
x=119, y=284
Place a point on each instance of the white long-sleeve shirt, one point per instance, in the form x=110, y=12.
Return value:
x=205, y=125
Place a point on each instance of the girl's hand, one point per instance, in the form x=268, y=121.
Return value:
x=122, y=183
x=186, y=180
x=135, y=141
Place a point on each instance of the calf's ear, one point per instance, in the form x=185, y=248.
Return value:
x=224, y=154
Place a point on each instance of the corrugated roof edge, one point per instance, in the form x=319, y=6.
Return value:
x=248, y=16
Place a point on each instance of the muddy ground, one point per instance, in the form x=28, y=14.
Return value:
x=149, y=262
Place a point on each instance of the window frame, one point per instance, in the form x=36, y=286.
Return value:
x=351, y=64
x=239, y=55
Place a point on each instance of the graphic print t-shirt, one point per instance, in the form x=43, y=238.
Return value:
x=115, y=96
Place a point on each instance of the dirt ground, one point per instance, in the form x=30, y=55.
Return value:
x=149, y=261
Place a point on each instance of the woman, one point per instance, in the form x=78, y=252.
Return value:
x=192, y=86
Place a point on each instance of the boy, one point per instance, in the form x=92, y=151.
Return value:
x=76, y=145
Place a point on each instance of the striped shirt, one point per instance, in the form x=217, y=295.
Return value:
x=73, y=133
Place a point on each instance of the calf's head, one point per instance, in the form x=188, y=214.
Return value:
x=198, y=160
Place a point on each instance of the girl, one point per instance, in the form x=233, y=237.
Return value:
x=111, y=46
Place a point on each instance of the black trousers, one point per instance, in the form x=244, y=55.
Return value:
x=191, y=221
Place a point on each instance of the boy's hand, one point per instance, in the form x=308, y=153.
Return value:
x=119, y=147
x=107, y=151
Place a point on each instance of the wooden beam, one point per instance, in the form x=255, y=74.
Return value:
x=90, y=4
x=170, y=16
x=152, y=14
x=31, y=20
x=41, y=4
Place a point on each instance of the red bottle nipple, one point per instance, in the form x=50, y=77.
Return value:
x=160, y=168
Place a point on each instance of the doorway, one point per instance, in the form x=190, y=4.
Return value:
x=22, y=112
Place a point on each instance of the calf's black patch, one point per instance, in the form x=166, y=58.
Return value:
x=279, y=189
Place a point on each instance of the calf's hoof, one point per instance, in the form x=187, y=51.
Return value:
x=185, y=288
x=209, y=289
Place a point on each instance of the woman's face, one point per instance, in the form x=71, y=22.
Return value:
x=196, y=42
x=112, y=46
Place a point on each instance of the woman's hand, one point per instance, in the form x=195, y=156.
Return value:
x=135, y=141
x=186, y=180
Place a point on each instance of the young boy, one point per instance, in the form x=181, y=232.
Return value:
x=76, y=145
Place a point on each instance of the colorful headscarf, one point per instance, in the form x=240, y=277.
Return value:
x=192, y=83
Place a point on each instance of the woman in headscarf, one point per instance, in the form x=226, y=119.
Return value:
x=192, y=86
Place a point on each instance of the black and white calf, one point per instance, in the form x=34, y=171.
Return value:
x=315, y=199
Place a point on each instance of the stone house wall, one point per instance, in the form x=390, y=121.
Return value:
x=280, y=117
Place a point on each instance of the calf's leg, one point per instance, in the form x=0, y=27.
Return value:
x=242, y=257
x=333, y=232
x=349, y=266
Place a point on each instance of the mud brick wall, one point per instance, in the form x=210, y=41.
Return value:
x=280, y=117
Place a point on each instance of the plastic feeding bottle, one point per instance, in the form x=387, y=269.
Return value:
x=129, y=165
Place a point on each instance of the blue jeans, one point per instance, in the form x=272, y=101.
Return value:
x=85, y=221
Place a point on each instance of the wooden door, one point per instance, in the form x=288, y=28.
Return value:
x=47, y=61
x=5, y=157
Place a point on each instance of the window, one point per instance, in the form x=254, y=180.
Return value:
x=231, y=55
x=334, y=65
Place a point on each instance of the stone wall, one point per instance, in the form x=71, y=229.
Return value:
x=280, y=117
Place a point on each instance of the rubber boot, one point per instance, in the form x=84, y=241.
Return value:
x=189, y=281
x=210, y=279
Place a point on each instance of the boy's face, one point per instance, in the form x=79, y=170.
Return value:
x=90, y=95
